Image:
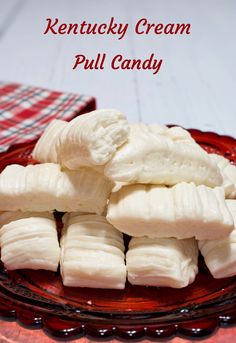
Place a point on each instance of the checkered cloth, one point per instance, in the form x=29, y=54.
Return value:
x=25, y=111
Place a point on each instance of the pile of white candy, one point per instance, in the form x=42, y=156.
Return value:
x=151, y=182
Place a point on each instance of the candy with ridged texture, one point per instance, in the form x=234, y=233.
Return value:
x=29, y=240
x=167, y=157
x=44, y=187
x=182, y=211
x=92, y=139
x=92, y=253
x=220, y=255
x=47, y=148
x=228, y=171
x=166, y=262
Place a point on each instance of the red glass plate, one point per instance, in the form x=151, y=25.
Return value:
x=38, y=298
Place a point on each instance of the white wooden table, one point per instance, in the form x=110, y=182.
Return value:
x=196, y=86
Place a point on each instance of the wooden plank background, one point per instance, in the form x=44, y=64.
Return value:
x=197, y=81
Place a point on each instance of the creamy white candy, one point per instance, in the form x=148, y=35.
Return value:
x=29, y=240
x=166, y=262
x=47, y=148
x=181, y=211
x=44, y=187
x=162, y=156
x=228, y=171
x=220, y=255
x=92, y=253
x=93, y=138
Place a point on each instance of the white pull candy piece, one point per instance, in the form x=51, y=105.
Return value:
x=228, y=172
x=176, y=133
x=47, y=148
x=220, y=255
x=93, y=138
x=44, y=187
x=29, y=240
x=166, y=262
x=182, y=211
x=92, y=253
x=154, y=157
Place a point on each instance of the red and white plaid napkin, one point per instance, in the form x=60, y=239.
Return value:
x=25, y=111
